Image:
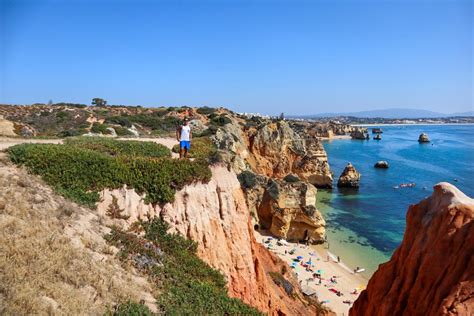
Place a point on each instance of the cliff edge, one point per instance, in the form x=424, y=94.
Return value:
x=432, y=272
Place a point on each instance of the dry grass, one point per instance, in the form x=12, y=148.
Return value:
x=53, y=259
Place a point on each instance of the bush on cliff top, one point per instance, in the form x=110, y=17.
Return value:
x=187, y=285
x=201, y=147
x=114, y=147
x=80, y=173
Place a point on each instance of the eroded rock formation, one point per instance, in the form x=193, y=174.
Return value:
x=359, y=133
x=423, y=138
x=432, y=272
x=288, y=210
x=215, y=215
x=278, y=150
x=349, y=178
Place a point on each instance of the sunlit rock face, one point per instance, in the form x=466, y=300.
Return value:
x=432, y=272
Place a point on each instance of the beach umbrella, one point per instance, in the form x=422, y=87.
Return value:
x=299, y=257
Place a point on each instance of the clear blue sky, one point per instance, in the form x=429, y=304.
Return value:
x=268, y=56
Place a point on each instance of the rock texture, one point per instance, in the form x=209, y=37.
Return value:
x=215, y=215
x=273, y=149
x=278, y=150
x=432, y=272
x=359, y=133
x=381, y=164
x=349, y=178
x=288, y=210
x=423, y=138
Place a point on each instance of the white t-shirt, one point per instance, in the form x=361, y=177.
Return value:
x=185, y=131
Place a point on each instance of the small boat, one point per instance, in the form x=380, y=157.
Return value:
x=378, y=137
x=377, y=130
x=359, y=270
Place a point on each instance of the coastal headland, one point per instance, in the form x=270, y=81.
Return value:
x=243, y=210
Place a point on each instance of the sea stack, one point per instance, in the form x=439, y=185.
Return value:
x=382, y=164
x=349, y=178
x=423, y=138
x=432, y=271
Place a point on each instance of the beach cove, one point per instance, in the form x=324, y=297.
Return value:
x=339, y=286
x=365, y=225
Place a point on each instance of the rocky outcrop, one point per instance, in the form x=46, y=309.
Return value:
x=432, y=272
x=359, y=133
x=215, y=215
x=382, y=164
x=423, y=138
x=349, y=178
x=273, y=149
x=288, y=210
x=278, y=150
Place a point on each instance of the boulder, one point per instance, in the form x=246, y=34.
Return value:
x=432, y=271
x=197, y=126
x=423, y=138
x=359, y=133
x=288, y=210
x=381, y=164
x=349, y=178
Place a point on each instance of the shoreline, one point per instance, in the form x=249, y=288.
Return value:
x=321, y=261
x=408, y=124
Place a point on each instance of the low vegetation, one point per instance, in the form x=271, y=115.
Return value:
x=188, y=286
x=82, y=168
x=115, y=147
x=201, y=147
x=129, y=308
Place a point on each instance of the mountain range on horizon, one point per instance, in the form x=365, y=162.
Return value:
x=392, y=113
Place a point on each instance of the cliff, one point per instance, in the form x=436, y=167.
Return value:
x=215, y=215
x=432, y=272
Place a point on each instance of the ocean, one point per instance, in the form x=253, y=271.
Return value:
x=365, y=225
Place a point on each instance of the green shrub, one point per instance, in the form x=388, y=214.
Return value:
x=129, y=309
x=164, y=124
x=220, y=120
x=120, y=120
x=100, y=128
x=291, y=178
x=187, y=285
x=115, y=147
x=247, y=179
x=72, y=132
x=62, y=116
x=122, y=131
x=205, y=110
x=80, y=173
x=201, y=147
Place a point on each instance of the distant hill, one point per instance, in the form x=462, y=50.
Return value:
x=390, y=113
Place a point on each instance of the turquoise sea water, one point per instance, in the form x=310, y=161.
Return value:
x=366, y=225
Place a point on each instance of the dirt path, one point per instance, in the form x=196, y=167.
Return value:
x=6, y=142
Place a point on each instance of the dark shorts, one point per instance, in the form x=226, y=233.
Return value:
x=185, y=144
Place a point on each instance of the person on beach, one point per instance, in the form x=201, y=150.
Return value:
x=338, y=259
x=184, y=136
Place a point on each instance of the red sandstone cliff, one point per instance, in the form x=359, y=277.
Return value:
x=432, y=272
x=215, y=215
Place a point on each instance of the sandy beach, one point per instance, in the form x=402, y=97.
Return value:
x=315, y=258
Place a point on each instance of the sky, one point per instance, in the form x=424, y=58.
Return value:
x=296, y=57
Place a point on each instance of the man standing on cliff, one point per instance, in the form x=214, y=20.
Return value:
x=184, y=136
